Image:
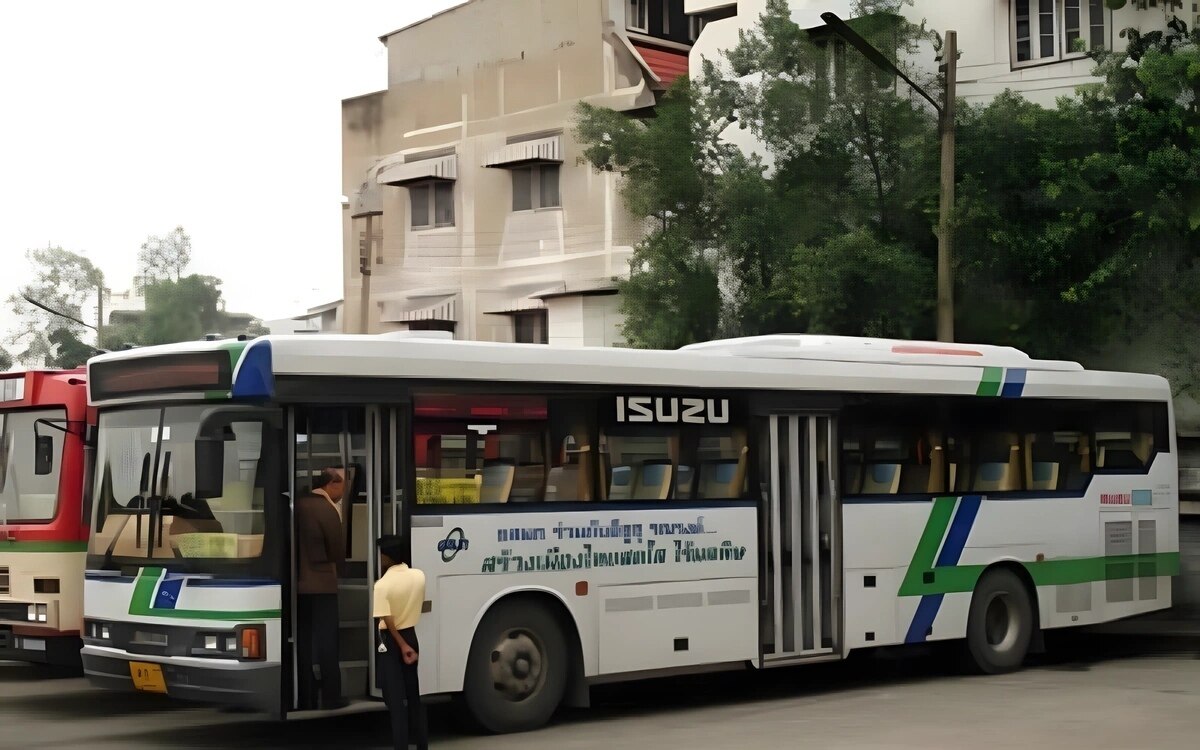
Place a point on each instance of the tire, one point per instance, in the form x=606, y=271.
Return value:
x=1000, y=624
x=517, y=667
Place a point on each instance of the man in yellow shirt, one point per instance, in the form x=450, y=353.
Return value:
x=399, y=596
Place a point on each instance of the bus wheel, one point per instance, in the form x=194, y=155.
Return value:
x=517, y=668
x=1000, y=623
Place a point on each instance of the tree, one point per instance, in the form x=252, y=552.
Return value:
x=63, y=281
x=165, y=258
x=732, y=233
x=6, y=361
x=183, y=310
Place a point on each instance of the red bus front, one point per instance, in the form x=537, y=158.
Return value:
x=43, y=533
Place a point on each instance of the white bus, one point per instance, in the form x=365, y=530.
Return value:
x=588, y=514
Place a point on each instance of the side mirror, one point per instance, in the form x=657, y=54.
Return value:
x=43, y=455
x=210, y=467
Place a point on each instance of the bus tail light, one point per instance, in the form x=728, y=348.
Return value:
x=252, y=638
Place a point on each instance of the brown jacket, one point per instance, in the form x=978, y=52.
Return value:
x=322, y=545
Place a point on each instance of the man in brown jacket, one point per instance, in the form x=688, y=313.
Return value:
x=322, y=550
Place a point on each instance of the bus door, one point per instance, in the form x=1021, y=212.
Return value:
x=388, y=448
x=324, y=437
x=801, y=564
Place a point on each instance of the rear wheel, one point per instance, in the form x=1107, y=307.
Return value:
x=517, y=668
x=1000, y=624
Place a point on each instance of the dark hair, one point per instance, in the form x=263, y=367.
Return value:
x=392, y=545
x=327, y=475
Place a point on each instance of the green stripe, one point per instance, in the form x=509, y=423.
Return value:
x=235, y=350
x=15, y=546
x=927, y=547
x=990, y=385
x=143, y=596
x=924, y=578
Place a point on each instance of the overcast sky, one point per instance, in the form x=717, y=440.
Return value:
x=128, y=118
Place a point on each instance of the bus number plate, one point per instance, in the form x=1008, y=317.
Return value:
x=147, y=677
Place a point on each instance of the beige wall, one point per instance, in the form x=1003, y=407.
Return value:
x=468, y=80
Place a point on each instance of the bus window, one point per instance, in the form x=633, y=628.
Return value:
x=655, y=462
x=489, y=448
x=25, y=495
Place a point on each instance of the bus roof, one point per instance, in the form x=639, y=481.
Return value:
x=800, y=363
x=23, y=388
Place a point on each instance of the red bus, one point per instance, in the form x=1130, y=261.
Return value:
x=44, y=429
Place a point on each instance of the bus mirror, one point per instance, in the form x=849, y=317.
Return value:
x=210, y=468
x=43, y=455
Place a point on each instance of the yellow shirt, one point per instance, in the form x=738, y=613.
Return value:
x=400, y=594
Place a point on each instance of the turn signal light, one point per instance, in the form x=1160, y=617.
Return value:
x=252, y=643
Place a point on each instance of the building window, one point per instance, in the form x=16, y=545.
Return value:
x=535, y=187
x=696, y=24
x=636, y=15
x=432, y=204
x=1047, y=30
x=531, y=327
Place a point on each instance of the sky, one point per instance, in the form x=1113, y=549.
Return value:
x=125, y=119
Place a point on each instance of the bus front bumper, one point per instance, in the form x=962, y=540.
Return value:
x=227, y=682
x=53, y=649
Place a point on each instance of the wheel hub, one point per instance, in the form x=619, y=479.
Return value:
x=517, y=665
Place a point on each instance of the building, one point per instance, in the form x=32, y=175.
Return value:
x=470, y=207
x=325, y=318
x=1037, y=48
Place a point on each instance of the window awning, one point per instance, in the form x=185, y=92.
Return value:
x=441, y=307
x=665, y=65
x=405, y=169
x=534, y=151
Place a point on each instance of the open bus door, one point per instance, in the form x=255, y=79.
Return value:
x=801, y=564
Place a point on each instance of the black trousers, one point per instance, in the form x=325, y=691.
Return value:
x=402, y=691
x=320, y=675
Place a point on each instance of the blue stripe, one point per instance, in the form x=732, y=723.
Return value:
x=960, y=529
x=922, y=621
x=1014, y=384
x=168, y=594
x=952, y=549
x=255, y=376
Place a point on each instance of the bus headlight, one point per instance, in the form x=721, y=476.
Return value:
x=96, y=630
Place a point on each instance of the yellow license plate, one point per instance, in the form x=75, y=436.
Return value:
x=147, y=677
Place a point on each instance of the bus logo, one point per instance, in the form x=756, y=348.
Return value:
x=455, y=542
x=671, y=410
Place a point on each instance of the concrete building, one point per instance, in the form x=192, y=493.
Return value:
x=1034, y=47
x=325, y=318
x=470, y=206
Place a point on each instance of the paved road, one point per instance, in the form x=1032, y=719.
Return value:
x=1132, y=698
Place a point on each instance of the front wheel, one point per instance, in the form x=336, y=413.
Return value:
x=1000, y=623
x=517, y=668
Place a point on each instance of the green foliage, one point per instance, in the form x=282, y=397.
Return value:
x=736, y=237
x=165, y=258
x=6, y=361
x=65, y=282
x=183, y=310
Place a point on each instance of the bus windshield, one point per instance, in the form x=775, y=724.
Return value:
x=25, y=495
x=179, y=485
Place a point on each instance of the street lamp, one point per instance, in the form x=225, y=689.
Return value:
x=945, y=110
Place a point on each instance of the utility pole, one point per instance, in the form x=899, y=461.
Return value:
x=100, y=315
x=945, y=111
x=945, y=255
